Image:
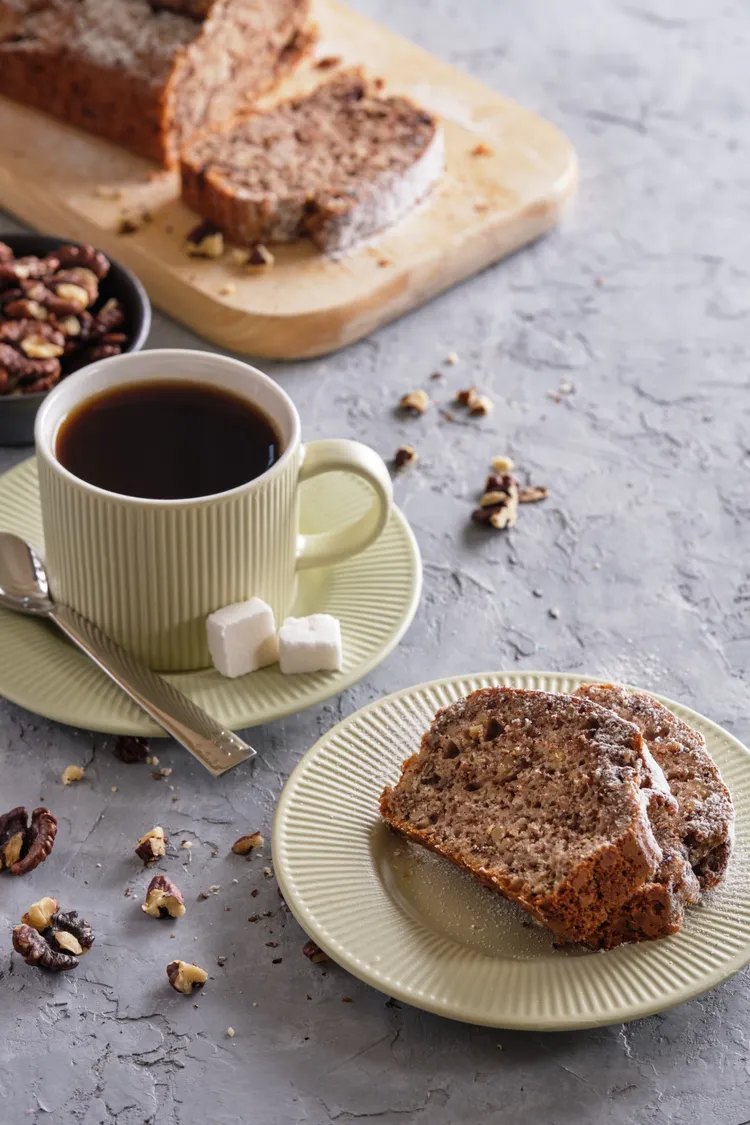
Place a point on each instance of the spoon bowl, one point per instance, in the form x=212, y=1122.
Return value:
x=23, y=579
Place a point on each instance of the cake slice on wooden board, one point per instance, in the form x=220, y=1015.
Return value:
x=704, y=825
x=147, y=76
x=337, y=165
x=542, y=797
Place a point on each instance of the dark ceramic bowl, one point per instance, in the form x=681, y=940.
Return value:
x=17, y=412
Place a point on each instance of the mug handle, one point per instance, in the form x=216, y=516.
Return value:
x=342, y=455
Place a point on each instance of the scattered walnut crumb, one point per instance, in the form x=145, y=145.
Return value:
x=159, y=775
x=115, y=788
x=131, y=224
x=502, y=465
x=347, y=1000
x=153, y=760
x=328, y=62
x=230, y=1032
x=482, y=149
x=436, y=375
x=227, y=290
x=383, y=262
x=405, y=455
x=452, y=358
x=268, y=872
x=532, y=494
x=315, y=954
x=71, y=774
x=554, y=396
x=415, y=401
x=554, y=612
x=205, y=241
x=467, y=397
x=481, y=406
x=566, y=387
x=247, y=844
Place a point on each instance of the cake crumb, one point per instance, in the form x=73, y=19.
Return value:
x=482, y=149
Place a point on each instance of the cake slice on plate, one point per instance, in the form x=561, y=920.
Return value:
x=696, y=842
x=337, y=165
x=542, y=797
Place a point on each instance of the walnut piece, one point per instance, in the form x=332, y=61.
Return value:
x=184, y=977
x=130, y=749
x=205, y=241
x=51, y=938
x=502, y=465
x=532, y=494
x=163, y=899
x=71, y=774
x=416, y=402
x=481, y=405
x=67, y=942
x=247, y=844
x=405, y=455
x=151, y=846
x=36, y=347
x=498, y=506
x=468, y=396
x=259, y=258
x=24, y=845
x=39, y=914
x=36, y=950
x=313, y=951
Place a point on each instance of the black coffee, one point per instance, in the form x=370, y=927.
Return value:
x=167, y=440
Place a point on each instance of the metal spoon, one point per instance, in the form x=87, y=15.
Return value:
x=24, y=588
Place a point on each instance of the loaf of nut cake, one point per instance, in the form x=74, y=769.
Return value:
x=147, y=75
x=542, y=797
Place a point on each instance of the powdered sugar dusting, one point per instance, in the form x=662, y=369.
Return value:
x=123, y=34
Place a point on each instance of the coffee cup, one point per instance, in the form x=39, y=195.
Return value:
x=148, y=570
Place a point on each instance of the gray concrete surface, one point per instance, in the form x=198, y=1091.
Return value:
x=642, y=303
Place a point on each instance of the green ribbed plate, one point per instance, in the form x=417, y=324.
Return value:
x=412, y=925
x=374, y=595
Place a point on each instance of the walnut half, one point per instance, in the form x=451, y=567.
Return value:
x=184, y=977
x=24, y=845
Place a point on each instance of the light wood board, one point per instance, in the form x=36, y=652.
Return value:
x=52, y=176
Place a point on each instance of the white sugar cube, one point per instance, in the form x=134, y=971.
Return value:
x=242, y=637
x=310, y=644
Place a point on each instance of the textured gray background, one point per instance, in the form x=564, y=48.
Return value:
x=640, y=548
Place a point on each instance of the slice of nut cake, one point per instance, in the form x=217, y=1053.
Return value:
x=337, y=165
x=542, y=797
x=696, y=842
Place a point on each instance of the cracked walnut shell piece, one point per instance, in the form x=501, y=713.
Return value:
x=184, y=977
x=23, y=844
x=163, y=899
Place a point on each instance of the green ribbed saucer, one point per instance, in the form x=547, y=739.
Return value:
x=374, y=595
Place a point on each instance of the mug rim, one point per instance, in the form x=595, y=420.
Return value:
x=139, y=360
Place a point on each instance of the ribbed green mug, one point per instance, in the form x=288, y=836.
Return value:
x=148, y=572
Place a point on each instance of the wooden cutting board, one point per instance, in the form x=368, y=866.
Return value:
x=56, y=178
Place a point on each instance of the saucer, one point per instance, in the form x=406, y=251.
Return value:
x=374, y=595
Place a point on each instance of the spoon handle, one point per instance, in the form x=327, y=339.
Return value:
x=215, y=747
